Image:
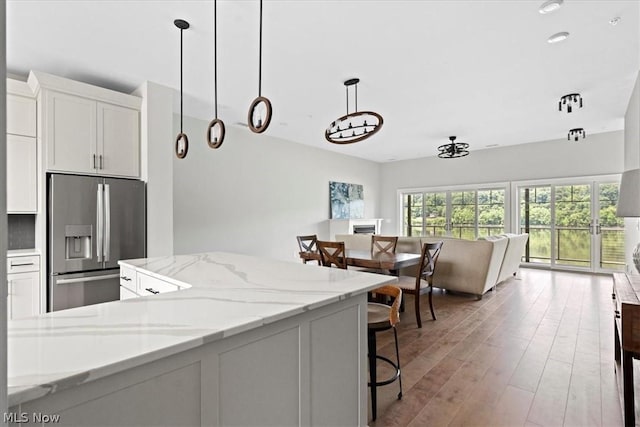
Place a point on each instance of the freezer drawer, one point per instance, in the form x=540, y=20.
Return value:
x=75, y=290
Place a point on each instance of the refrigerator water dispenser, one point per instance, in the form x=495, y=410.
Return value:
x=78, y=241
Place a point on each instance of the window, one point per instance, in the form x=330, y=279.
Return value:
x=465, y=213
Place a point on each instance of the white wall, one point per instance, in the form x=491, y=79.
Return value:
x=632, y=129
x=597, y=155
x=632, y=161
x=156, y=153
x=256, y=192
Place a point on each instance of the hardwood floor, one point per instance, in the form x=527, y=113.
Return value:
x=536, y=351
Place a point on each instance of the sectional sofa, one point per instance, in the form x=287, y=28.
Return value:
x=470, y=266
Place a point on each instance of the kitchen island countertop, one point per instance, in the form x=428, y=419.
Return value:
x=223, y=294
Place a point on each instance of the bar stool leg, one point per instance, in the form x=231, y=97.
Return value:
x=395, y=334
x=372, y=372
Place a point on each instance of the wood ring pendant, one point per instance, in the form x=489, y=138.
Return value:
x=264, y=124
x=181, y=154
x=210, y=130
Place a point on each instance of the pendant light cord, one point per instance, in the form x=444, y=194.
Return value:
x=215, y=57
x=260, y=56
x=356, y=100
x=181, y=30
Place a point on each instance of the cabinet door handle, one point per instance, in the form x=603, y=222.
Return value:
x=153, y=291
x=101, y=162
x=21, y=264
x=125, y=278
x=617, y=314
x=94, y=161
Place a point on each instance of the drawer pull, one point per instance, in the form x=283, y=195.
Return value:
x=21, y=264
x=125, y=278
x=153, y=291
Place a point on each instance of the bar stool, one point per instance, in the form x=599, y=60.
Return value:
x=382, y=317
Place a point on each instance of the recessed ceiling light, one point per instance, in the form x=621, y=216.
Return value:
x=550, y=6
x=614, y=21
x=558, y=37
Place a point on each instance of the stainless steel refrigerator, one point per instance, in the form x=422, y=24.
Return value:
x=92, y=223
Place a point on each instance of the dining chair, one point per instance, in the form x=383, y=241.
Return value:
x=383, y=244
x=382, y=317
x=423, y=282
x=380, y=245
x=332, y=253
x=309, y=248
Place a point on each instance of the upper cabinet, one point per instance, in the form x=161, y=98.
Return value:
x=22, y=160
x=87, y=129
x=21, y=115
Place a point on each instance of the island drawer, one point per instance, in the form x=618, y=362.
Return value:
x=148, y=285
x=128, y=278
x=23, y=264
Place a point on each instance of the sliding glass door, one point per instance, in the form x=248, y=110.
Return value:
x=572, y=225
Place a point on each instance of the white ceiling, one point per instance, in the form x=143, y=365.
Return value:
x=481, y=70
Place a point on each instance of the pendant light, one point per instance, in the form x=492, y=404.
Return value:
x=182, y=142
x=575, y=134
x=356, y=126
x=260, y=110
x=569, y=101
x=215, y=131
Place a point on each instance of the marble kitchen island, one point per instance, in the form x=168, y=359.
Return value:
x=241, y=341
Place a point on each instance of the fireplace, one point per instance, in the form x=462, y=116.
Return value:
x=364, y=229
x=354, y=226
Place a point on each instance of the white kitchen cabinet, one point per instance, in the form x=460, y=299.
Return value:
x=70, y=133
x=118, y=140
x=148, y=285
x=21, y=115
x=91, y=137
x=21, y=175
x=23, y=284
x=87, y=129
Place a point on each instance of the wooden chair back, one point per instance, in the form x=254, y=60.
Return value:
x=396, y=293
x=308, y=243
x=332, y=253
x=386, y=244
x=430, y=253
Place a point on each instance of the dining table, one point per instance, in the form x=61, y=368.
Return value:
x=392, y=262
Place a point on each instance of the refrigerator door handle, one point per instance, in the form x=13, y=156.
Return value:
x=100, y=223
x=86, y=279
x=107, y=223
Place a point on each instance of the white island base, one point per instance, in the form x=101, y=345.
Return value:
x=305, y=369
